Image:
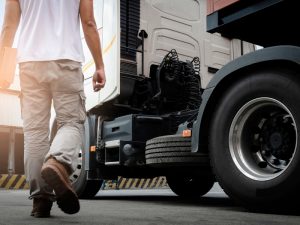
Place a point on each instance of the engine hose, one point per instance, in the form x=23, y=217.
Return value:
x=192, y=85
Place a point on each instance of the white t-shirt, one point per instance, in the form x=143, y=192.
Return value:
x=50, y=30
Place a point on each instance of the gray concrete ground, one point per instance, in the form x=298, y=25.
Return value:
x=145, y=207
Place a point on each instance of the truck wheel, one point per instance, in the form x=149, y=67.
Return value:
x=254, y=140
x=171, y=150
x=191, y=186
x=83, y=187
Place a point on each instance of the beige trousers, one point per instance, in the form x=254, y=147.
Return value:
x=42, y=83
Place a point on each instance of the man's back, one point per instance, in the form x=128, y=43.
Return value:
x=50, y=31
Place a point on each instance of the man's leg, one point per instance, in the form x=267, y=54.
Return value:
x=35, y=106
x=68, y=98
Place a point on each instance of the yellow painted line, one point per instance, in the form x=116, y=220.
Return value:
x=26, y=186
x=159, y=181
x=134, y=183
x=129, y=182
x=109, y=46
x=10, y=182
x=123, y=180
x=141, y=183
x=164, y=183
x=20, y=182
x=106, y=49
x=3, y=178
x=146, y=184
x=153, y=182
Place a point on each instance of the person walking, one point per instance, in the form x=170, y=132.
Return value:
x=50, y=54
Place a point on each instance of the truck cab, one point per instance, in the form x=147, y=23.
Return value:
x=158, y=59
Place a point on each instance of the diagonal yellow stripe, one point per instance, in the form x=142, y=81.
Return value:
x=129, y=181
x=106, y=49
x=11, y=180
x=153, y=182
x=26, y=186
x=164, y=183
x=134, y=183
x=158, y=182
x=141, y=183
x=123, y=180
x=20, y=182
x=3, y=178
x=146, y=184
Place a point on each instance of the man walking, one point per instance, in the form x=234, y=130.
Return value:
x=49, y=56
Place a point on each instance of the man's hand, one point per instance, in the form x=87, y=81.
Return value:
x=99, y=79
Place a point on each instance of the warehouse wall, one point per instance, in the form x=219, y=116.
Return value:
x=11, y=150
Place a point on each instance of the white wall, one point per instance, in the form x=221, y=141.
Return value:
x=10, y=112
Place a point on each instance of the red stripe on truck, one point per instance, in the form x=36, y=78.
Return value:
x=215, y=5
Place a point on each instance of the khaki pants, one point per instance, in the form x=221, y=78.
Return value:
x=42, y=83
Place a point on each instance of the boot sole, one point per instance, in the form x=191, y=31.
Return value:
x=40, y=214
x=67, y=199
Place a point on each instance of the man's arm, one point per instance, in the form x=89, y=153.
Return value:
x=12, y=17
x=93, y=41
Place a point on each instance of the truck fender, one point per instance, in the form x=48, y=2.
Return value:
x=90, y=139
x=233, y=70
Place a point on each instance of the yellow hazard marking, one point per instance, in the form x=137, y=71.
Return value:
x=3, y=178
x=129, y=181
x=20, y=182
x=134, y=183
x=152, y=183
x=141, y=183
x=26, y=186
x=10, y=182
x=146, y=184
x=159, y=181
x=15, y=181
x=122, y=183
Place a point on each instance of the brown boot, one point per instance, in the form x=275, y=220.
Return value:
x=41, y=208
x=56, y=176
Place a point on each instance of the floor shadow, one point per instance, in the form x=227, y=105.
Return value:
x=206, y=201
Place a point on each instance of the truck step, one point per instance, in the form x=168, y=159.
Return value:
x=112, y=152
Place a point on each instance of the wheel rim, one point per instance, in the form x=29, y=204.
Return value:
x=263, y=139
x=75, y=175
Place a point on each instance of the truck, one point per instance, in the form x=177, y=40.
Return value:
x=190, y=98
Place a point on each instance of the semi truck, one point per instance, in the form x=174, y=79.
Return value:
x=188, y=97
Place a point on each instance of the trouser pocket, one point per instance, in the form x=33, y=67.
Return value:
x=82, y=110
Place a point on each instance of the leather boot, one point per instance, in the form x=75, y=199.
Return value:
x=56, y=176
x=41, y=208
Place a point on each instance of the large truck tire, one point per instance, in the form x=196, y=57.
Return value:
x=193, y=186
x=171, y=150
x=254, y=140
x=83, y=187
